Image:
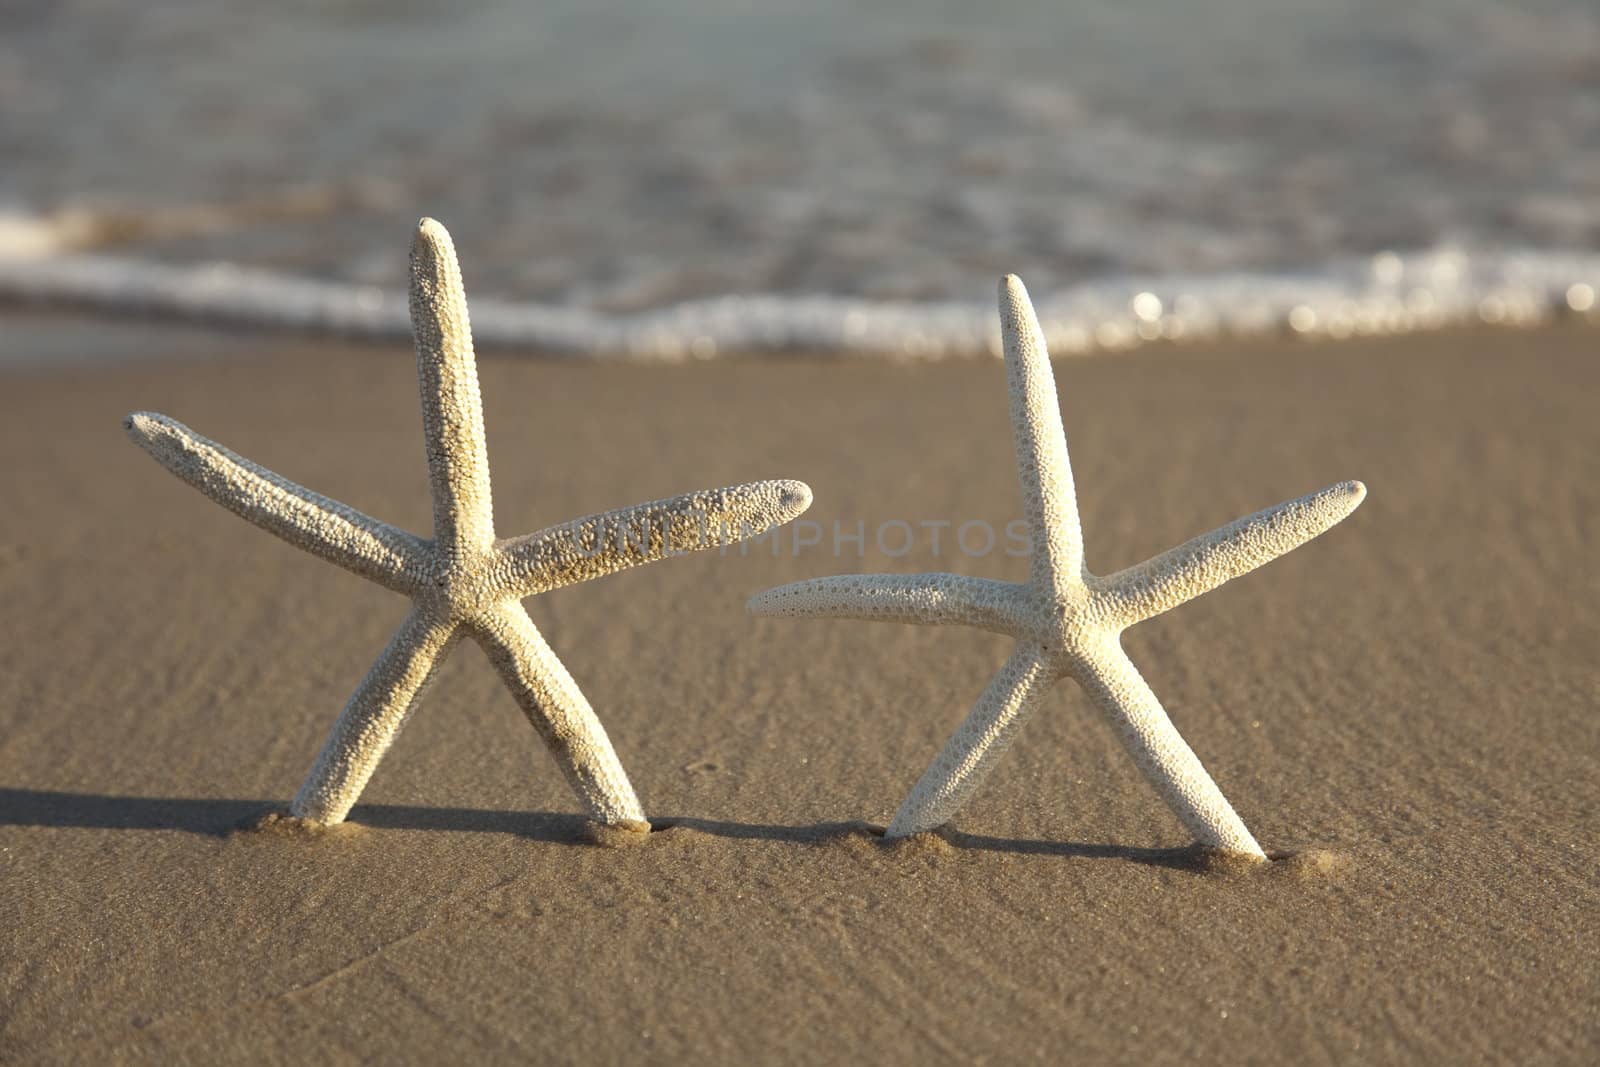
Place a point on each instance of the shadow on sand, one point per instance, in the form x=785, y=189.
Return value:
x=36, y=807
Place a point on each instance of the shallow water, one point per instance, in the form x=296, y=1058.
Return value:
x=613, y=160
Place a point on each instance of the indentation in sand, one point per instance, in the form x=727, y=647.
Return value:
x=279, y=823
x=622, y=835
x=1308, y=865
x=1304, y=865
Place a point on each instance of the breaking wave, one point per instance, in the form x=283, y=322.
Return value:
x=1390, y=293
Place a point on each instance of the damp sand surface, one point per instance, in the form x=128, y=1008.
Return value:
x=1404, y=712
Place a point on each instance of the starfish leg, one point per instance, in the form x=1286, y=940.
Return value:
x=452, y=409
x=373, y=717
x=603, y=544
x=1116, y=686
x=1048, y=494
x=1202, y=564
x=930, y=599
x=980, y=739
x=326, y=528
x=558, y=709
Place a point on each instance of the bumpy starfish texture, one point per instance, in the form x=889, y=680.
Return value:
x=463, y=582
x=1066, y=621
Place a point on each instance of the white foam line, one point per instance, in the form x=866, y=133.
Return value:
x=1389, y=293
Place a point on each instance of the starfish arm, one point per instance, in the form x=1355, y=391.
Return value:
x=372, y=718
x=452, y=409
x=1117, y=688
x=1200, y=565
x=558, y=709
x=969, y=755
x=307, y=520
x=929, y=599
x=603, y=544
x=1048, y=494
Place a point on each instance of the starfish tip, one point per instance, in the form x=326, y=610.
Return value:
x=764, y=603
x=147, y=428
x=433, y=237
x=1347, y=496
x=793, y=497
x=1011, y=286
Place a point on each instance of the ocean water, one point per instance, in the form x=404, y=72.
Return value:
x=675, y=181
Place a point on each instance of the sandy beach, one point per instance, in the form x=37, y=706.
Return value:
x=1404, y=711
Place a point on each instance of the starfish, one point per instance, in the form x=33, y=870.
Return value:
x=463, y=582
x=1066, y=621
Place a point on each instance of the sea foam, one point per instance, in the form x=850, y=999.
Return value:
x=1390, y=293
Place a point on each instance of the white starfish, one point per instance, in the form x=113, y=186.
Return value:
x=1066, y=621
x=463, y=581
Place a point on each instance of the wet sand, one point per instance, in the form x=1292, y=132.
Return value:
x=1404, y=710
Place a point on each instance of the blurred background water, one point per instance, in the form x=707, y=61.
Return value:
x=601, y=160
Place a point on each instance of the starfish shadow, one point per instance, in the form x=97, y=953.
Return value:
x=219, y=818
x=1185, y=858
